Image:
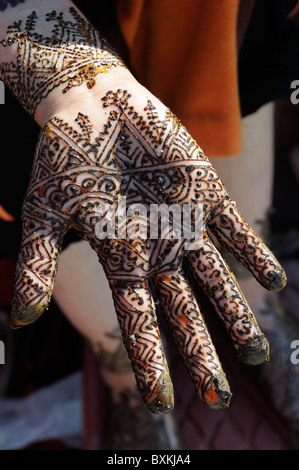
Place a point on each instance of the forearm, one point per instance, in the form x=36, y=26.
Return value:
x=50, y=56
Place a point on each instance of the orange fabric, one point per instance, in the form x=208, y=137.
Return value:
x=294, y=11
x=4, y=215
x=185, y=52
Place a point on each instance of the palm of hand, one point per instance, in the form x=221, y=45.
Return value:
x=145, y=157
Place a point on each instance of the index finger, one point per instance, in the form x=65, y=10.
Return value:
x=233, y=232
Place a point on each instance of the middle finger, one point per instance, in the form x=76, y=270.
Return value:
x=194, y=342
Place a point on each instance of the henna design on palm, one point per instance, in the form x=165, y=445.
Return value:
x=73, y=54
x=147, y=156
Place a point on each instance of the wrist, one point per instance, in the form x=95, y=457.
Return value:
x=48, y=54
x=82, y=99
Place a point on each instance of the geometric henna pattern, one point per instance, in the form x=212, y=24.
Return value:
x=192, y=337
x=215, y=277
x=74, y=53
x=234, y=233
x=147, y=156
x=138, y=322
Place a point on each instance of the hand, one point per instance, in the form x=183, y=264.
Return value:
x=123, y=156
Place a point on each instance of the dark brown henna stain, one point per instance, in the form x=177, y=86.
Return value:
x=215, y=277
x=147, y=157
x=36, y=262
x=191, y=335
x=75, y=54
x=234, y=233
x=138, y=323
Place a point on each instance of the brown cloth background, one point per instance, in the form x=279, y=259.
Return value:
x=186, y=54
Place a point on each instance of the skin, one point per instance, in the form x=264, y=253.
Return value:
x=105, y=139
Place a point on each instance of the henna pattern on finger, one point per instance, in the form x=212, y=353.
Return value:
x=43, y=232
x=237, y=267
x=191, y=335
x=219, y=283
x=138, y=322
x=142, y=153
x=234, y=233
x=74, y=53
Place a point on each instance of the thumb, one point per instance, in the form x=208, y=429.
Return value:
x=42, y=235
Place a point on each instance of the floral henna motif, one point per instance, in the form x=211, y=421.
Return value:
x=73, y=54
x=146, y=156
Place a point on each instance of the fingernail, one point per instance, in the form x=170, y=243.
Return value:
x=254, y=352
x=218, y=394
x=20, y=318
x=278, y=279
x=164, y=398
